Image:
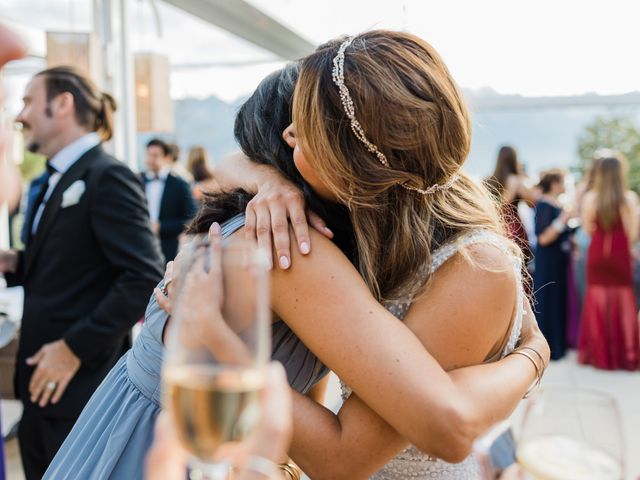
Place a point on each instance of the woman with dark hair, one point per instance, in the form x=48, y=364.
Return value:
x=424, y=231
x=609, y=333
x=325, y=302
x=552, y=262
x=510, y=186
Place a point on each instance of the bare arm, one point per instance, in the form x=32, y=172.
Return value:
x=237, y=170
x=277, y=203
x=551, y=233
x=528, y=193
x=630, y=217
x=588, y=213
x=388, y=366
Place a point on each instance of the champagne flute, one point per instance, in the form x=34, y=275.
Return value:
x=217, y=345
x=571, y=434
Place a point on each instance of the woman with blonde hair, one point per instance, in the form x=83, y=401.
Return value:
x=609, y=330
x=380, y=127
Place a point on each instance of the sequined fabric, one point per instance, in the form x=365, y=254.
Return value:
x=411, y=463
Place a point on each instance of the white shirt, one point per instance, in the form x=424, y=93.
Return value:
x=62, y=161
x=154, y=188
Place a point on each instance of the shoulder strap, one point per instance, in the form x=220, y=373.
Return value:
x=231, y=226
x=444, y=253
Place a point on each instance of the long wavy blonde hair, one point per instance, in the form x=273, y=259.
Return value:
x=411, y=109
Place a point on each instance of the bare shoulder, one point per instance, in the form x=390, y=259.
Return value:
x=632, y=198
x=589, y=198
x=467, y=308
x=481, y=271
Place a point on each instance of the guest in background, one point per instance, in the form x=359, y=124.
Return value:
x=89, y=264
x=552, y=261
x=582, y=239
x=198, y=167
x=171, y=204
x=511, y=186
x=174, y=161
x=609, y=336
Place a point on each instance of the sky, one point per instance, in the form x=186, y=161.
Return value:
x=541, y=48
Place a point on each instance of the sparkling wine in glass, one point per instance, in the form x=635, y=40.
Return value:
x=571, y=434
x=217, y=345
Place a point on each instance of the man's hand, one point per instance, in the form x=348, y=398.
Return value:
x=155, y=228
x=8, y=261
x=55, y=365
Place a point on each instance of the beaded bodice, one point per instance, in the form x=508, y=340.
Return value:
x=411, y=463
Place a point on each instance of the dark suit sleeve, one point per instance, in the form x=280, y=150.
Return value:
x=120, y=221
x=15, y=279
x=188, y=207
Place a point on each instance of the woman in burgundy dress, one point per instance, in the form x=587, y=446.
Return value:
x=609, y=336
x=509, y=185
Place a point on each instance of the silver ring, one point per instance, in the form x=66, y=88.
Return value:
x=165, y=292
x=51, y=385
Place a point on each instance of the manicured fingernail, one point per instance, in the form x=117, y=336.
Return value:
x=284, y=262
x=304, y=248
x=215, y=228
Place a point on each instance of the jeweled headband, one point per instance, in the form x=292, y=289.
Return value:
x=337, y=74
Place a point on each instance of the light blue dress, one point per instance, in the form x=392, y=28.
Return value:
x=115, y=429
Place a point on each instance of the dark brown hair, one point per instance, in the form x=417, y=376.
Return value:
x=198, y=164
x=506, y=165
x=156, y=142
x=258, y=130
x=549, y=178
x=94, y=109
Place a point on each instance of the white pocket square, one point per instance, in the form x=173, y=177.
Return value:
x=72, y=195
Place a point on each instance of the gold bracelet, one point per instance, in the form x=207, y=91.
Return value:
x=535, y=365
x=291, y=471
x=543, y=366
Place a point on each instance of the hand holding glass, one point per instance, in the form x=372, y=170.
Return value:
x=217, y=346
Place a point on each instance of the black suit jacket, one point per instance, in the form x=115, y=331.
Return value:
x=87, y=273
x=177, y=208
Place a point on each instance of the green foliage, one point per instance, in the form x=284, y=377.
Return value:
x=618, y=133
x=31, y=166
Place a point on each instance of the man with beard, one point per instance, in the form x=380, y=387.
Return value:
x=89, y=265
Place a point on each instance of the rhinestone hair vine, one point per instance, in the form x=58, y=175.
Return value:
x=337, y=75
x=338, y=78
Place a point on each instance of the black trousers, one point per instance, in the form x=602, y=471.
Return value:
x=40, y=438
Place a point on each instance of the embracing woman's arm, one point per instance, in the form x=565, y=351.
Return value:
x=326, y=303
x=280, y=202
x=357, y=442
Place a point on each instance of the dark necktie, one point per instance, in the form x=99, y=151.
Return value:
x=40, y=198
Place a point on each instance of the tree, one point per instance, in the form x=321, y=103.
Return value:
x=618, y=133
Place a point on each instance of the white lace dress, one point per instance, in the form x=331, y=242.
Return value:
x=411, y=463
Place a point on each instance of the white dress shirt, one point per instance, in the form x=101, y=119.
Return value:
x=154, y=188
x=62, y=161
